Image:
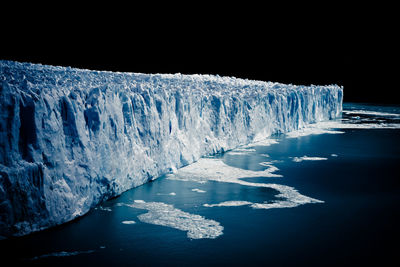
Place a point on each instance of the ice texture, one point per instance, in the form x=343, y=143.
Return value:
x=198, y=190
x=128, y=222
x=214, y=169
x=72, y=138
x=307, y=158
x=196, y=226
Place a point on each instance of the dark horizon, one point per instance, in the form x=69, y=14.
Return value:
x=319, y=63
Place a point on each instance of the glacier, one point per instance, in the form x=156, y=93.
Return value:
x=72, y=138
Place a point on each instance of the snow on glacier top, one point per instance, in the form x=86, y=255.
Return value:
x=56, y=76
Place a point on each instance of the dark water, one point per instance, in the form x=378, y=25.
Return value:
x=357, y=224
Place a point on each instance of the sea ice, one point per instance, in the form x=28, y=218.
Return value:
x=233, y=203
x=212, y=169
x=196, y=226
x=128, y=222
x=306, y=158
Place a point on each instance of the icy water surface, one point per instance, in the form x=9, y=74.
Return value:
x=327, y=195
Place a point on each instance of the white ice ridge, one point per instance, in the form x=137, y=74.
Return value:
x=71, y=138
x=212, y=169
x=196, y=226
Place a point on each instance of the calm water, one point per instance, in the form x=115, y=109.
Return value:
x=356, y=177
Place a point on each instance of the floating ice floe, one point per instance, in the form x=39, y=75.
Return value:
x=196, y=226
x=269, y=163
x=313, y=130
x=241, y=151
x=371, y=113
x=266, y=205
x=169, y=194
x=211, y=169
x=265, y=142
x=198, y=190
x=338, y=124
x=128, y=222
x=103, y=208
x=233, y=203
x=306, y=158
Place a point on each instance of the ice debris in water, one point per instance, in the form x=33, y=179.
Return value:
x=198, y=190
x=169, y=194
x=103, y=208
x=196, y=226
x=288, y=203
x=128, y=222
x=300, y=159
x=371, y=113
x=232, y=203
x=213, y=169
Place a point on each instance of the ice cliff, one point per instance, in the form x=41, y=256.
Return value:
x=71, y=138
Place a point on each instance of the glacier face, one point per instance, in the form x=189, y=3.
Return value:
x=71, y=138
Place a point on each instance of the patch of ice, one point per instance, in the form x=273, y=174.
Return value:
x=128, y=222
x=369, y=112
x=330, y=127
x=196, y=226
x=211, y=169
x=341, y=125
x=169, y=194
x=266, y=163
x=198, y=190
x=312, y=130
x=103, y=208
x=264, y=142
x=233, y=203
x=273, y=205
x=241, y=151
x=300, y=159
x=269, y=163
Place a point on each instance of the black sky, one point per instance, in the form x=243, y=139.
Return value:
x=308, y=49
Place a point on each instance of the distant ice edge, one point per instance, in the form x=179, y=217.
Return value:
x=71, y=138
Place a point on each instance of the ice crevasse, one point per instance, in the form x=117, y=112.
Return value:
x=71, y=138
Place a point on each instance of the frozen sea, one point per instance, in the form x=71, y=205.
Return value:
x=328, y=195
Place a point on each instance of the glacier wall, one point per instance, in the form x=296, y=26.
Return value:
x=71, y=138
